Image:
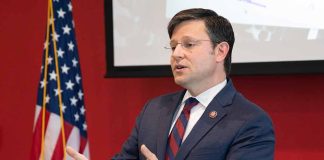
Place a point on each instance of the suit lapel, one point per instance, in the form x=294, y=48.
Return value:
x=205, y=123
x=166, y=115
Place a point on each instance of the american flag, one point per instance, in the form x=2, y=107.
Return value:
x=60, y=92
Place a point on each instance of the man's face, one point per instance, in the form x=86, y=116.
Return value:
x=193, y=60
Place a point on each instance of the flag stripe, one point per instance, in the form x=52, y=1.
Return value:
x=58, y=152
x=38, y=134
x=74, y=138
x=83, y=144
x=37, y=112
x=53, y=131
x=86, y=148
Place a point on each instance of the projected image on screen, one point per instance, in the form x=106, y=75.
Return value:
x=268, y=30
x=288, y=13
x=265, y=30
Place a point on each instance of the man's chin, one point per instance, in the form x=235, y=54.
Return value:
x=180, y=80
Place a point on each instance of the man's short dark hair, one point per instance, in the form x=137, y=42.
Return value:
x=219, y=29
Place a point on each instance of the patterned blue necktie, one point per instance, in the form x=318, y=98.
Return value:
x=177, y=133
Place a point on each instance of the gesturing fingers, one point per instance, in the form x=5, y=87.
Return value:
x=74, y=154
x=147, y=153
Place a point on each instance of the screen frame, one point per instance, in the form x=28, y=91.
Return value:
x=259, y=68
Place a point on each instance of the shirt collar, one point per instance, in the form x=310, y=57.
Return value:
x=206, y=97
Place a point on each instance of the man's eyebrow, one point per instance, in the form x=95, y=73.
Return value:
x=173, y=41
x=182, y=38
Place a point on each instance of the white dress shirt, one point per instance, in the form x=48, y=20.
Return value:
x=197, y=111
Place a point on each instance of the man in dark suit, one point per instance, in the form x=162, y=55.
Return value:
x=220, y=123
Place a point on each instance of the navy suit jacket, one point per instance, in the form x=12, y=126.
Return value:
x=240, y=131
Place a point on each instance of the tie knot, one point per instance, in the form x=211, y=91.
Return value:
x=190, y=102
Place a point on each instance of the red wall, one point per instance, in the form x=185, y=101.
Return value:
x=295, y=102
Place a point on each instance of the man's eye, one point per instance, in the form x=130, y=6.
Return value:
x=188, y=45
x=173, y=46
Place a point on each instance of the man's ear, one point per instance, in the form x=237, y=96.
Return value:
x=221, y=51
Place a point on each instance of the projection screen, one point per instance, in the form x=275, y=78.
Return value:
x=272, y=37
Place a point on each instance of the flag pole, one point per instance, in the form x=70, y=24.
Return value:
x=58, y=81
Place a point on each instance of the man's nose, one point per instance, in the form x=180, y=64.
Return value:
x=178, y=52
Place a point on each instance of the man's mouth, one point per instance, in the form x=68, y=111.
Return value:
x=179, y=67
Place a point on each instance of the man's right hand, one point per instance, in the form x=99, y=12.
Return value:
x=74, y=154
x=77, y=156
x=147, y=153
